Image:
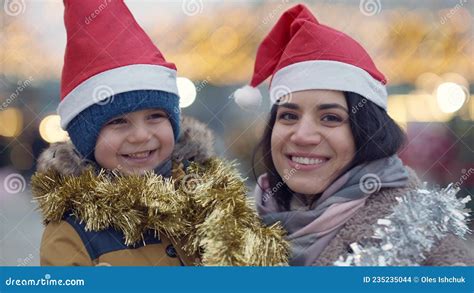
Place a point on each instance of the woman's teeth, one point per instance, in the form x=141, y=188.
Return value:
x=140, y=155
x=306, y=161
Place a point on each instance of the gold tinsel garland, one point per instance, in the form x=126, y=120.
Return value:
x=207, y=208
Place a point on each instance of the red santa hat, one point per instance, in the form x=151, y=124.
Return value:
x=302, y=54
x=111, y=67
x=107, y=53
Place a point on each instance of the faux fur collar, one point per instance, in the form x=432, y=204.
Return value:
x=194, y=144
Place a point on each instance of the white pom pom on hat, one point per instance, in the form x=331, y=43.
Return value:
x=248, y=97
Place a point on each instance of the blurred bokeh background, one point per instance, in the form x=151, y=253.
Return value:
x=425, y=48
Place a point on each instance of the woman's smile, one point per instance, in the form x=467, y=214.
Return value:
x=306, y=162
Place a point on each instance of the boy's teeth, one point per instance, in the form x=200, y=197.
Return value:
x=140, y=155
x=306, y=161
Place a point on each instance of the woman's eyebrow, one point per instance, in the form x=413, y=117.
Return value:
x=290, y=106
x=331, y=106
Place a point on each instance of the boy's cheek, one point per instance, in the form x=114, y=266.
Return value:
x=166, y=151
x=105, y=153
x=106, y=158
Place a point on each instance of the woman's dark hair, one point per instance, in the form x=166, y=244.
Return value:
x=375, y=134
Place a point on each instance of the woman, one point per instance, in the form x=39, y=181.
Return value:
x=333, y=178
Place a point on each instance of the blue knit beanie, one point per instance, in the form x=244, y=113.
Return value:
x=85, y=127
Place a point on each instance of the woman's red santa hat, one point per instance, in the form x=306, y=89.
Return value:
x=302, y=54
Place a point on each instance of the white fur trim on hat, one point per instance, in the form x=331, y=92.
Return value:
x=328, y=75
x=102, y=86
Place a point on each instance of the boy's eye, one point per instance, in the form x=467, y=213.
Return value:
x=158, y=115
x=117, y=121
x=287, y=116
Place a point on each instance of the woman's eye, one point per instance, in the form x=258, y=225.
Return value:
x=332, y=118
x=117, y=121
x=287, y=116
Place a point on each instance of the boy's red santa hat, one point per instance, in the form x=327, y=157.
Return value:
x=302, y=54
x=111, y=67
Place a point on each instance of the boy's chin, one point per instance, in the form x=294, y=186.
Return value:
x=135, y=171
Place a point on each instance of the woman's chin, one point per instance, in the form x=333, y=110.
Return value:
x=305, y=186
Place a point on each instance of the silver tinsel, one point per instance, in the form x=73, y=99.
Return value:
x=418, y=221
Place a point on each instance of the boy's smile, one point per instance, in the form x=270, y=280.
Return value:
x=138, y=159
x=135, y=142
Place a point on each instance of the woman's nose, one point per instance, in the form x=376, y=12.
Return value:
x=306, y=133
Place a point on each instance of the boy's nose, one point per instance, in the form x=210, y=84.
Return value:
x=139, y=134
